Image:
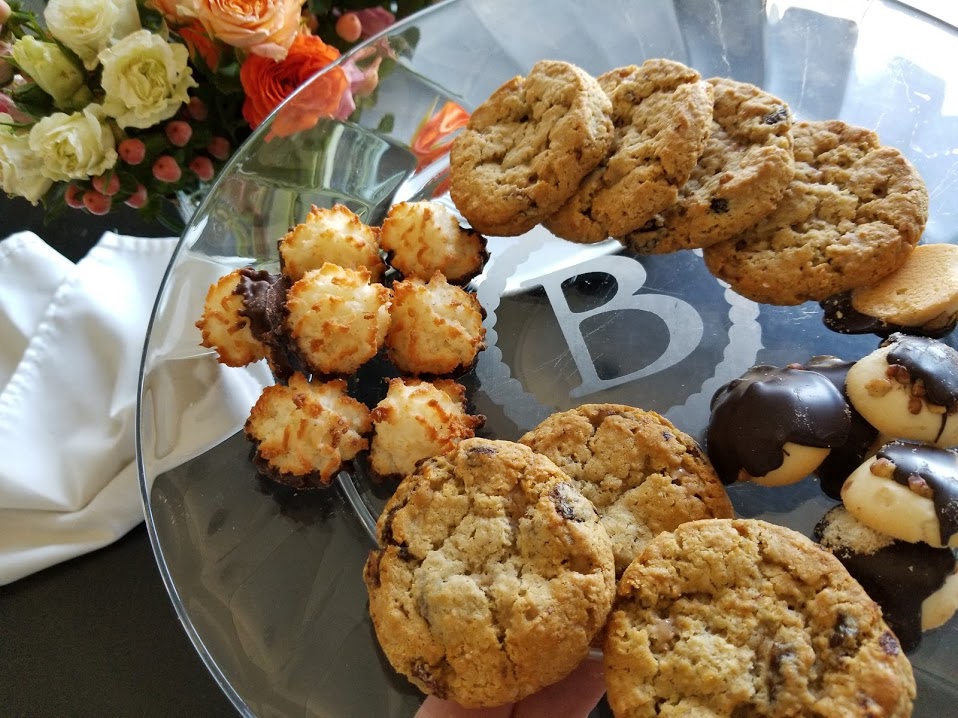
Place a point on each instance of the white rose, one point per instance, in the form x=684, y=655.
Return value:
x=74, y=146
x=20, y=167
x=53, y=71
x=146, y=79
x=88, y=26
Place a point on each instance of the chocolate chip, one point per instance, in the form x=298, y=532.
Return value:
x=719, y=205
x=371, y=569
x=482, y=449
x=889, y=644
x=560, y=497
x=773, y=118
x=422, y=671
x=845, y=635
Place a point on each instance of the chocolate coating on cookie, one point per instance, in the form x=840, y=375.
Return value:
x=754, y=416
x=264, y=304
x=845, y=458
x=839, y=315
x=931, y=471
x=932, y=362
x=898, y=575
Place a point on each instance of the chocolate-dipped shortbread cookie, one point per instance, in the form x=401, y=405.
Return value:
x=908, y=490
x=775, y=426
x=915, y=584
x=908, y=388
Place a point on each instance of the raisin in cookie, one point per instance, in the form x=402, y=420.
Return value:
x=740, y=177
x=745, y=618
x=851, y=215
x=492, y=577
x=643, y=475
x=528, y=146
x=661, y=112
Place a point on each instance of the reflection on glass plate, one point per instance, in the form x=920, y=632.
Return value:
x=269, y=584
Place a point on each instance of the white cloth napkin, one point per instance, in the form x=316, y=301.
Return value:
x=71, y=338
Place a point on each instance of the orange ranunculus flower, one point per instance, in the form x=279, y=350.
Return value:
x=176, y=12
x=200, y=44
x=432, y=138
x=267, y=84
x=263, y=27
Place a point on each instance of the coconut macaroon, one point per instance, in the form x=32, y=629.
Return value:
x=435, y=328
x=337, y=319
x=332, y=235
x=224, y=327
x=418, y=419
x=422, y=238
x=305, y=431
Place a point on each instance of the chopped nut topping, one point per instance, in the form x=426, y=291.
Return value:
x=898, y=373
x=936, y=408
x=918, y=388
x=882, y=467
x=878, y=387
x=919, y=486
x=914, y=405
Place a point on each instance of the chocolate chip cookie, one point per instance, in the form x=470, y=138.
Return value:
x=643, y=475
x=851, y=215
x=527, y=147
x=662, y=112
x=744, y=618
x=493, y=574
x=740, y=177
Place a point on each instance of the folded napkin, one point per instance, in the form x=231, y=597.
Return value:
x=71, y=338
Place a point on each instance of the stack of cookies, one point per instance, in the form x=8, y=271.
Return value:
x=500, y=564
x=881, y=435
x=657, y=157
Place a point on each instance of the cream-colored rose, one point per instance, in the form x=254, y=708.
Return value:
x=53, y=71
x=264, y=27
x=88, y=26
x=74, y=146
x=20, y=167
x=146, y=79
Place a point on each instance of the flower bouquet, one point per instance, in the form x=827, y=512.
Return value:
x=109, y=102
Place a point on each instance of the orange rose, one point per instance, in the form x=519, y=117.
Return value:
x=200, y=44
x=263, y=27
x=267, y=84
x=176, y=12
x=432, y=138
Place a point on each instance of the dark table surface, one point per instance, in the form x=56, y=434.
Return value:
x=96, y=636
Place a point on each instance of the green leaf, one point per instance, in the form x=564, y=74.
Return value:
x=150, y=18
x=320, y=8
x=33, y=100
x=386, y=124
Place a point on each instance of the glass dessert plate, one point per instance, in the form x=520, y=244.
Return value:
x=268, y=583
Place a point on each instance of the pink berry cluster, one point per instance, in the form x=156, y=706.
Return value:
x=179, y=154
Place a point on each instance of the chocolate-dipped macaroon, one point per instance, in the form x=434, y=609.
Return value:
x=775, y=425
